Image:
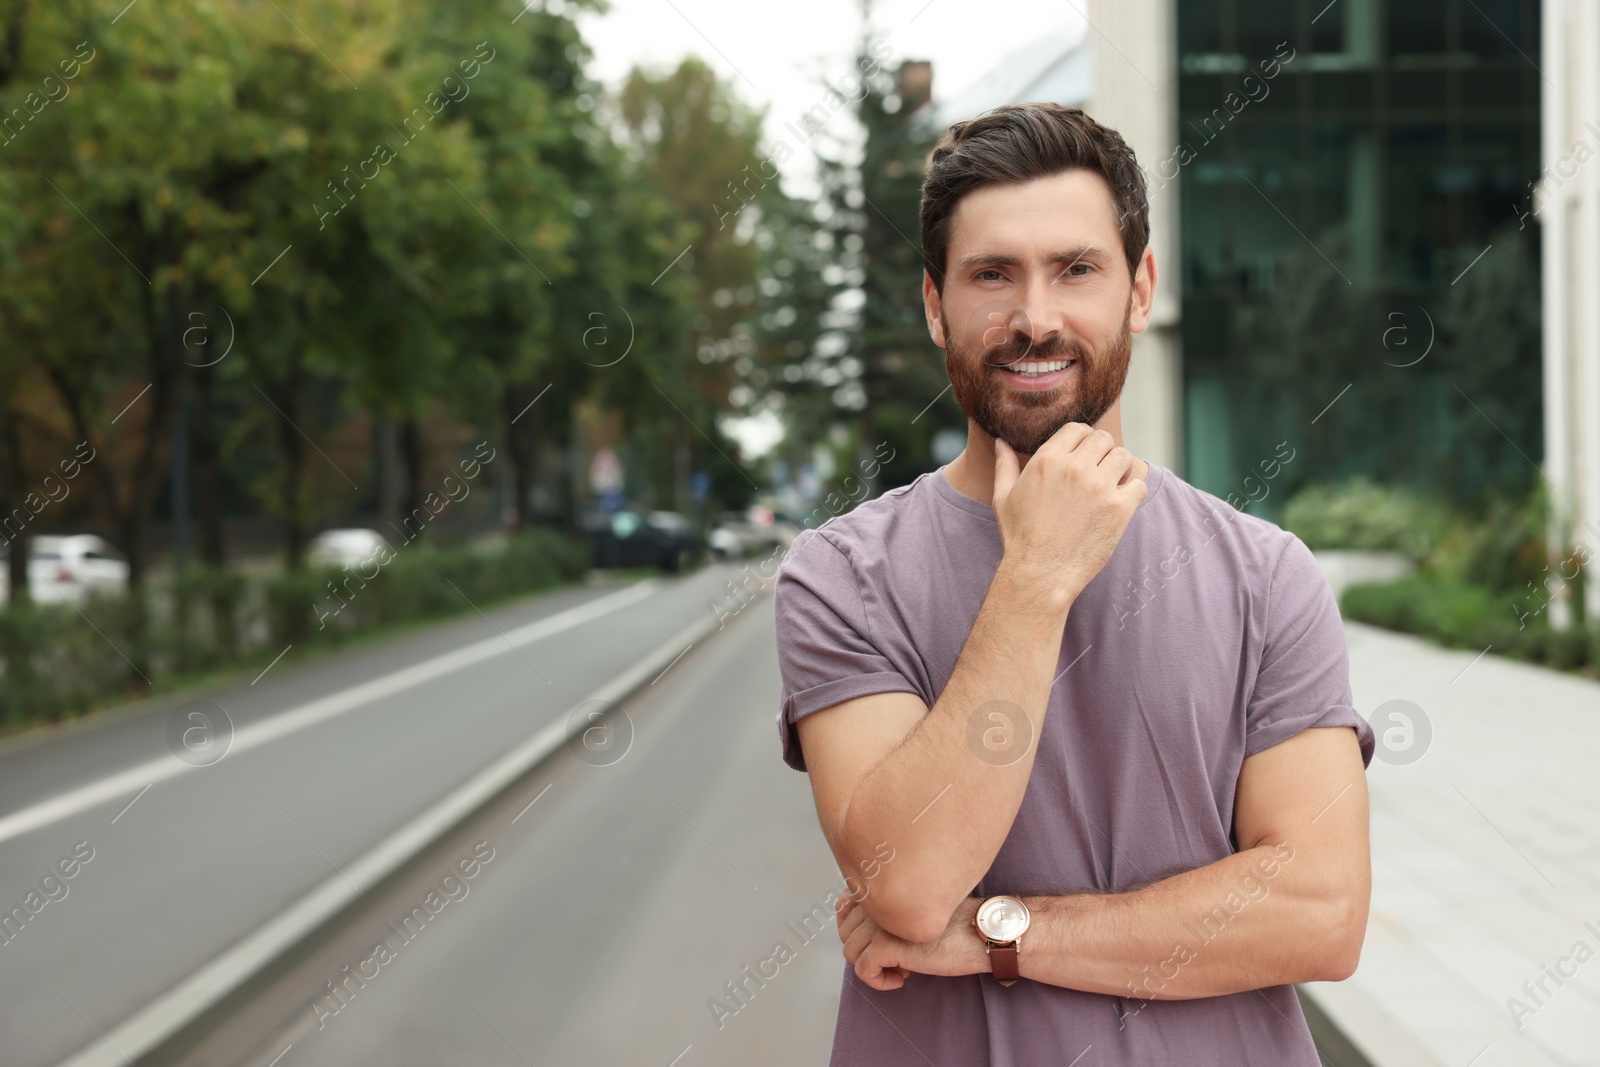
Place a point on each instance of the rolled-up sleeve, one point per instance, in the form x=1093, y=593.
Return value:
x=1304, y=676
x=827, y=651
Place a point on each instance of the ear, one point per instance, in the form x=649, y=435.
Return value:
x=1144, y=292
x=931, y=304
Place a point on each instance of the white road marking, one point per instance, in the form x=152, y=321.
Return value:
x=296, y=719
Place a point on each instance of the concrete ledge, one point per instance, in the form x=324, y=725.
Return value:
x=1345, y=567
x=1342, y=1012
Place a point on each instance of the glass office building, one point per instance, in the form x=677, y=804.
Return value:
x=1359, y=265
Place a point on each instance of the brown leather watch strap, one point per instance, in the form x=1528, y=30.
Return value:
x=1003, y=961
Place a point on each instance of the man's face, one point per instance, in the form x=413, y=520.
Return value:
x=1036, y=277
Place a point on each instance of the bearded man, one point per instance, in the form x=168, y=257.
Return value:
x=1072, y=834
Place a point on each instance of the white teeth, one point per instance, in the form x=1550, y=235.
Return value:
x=1034, y=369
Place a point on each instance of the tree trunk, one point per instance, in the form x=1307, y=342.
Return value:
x=210, y=535
x=413, y=516
x=205, y=451
x=522, y=441
x=568, y=488
x=11, y=497
x=164, y=325
x=292, y=444
x=389, y=467
x=21, y=696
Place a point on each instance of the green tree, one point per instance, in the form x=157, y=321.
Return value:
x=690, y=138
x=843, y=326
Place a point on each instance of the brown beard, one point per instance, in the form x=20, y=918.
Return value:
x=1026, y=420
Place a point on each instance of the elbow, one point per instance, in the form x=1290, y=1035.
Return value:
x=900, y=898
x=1342, y=962
x=907, y=914
x=1344, y=929
x=1338, y=967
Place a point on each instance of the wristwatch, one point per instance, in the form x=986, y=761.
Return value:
x=1001, y=921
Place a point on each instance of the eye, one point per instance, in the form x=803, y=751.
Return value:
x=987, y=270
x=1075, y=268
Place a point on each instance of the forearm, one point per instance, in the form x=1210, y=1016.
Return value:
x=946, y=796
x=1250, y=920
x=1291, y=907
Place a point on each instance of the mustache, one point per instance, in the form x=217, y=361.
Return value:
x=1051, y=348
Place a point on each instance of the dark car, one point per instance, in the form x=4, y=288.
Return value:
x=632, y=537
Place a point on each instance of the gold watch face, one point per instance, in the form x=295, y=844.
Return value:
x=1002, y=918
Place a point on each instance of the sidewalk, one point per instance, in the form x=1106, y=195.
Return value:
x=1483, y=942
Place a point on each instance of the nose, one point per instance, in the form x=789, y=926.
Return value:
x=1029, y=321
x=1040, y=307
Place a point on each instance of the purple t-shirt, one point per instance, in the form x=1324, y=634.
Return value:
x=1209, y=635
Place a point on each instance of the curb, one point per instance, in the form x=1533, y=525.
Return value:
x=165, y=1018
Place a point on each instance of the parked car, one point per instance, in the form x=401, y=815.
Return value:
x=633, y=537
x=68, y=567
x=345, y=548
x=723, y=543
x=737, y=534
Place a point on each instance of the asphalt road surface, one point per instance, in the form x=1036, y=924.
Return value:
x=619, y=901
x=610, y=912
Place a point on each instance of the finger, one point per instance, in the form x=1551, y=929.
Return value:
x=1007, y=468
x=847, y=905
x=1120, y=462
x=1067, y=437
x=851, y=922
x=1094, y=446
x=873, y=979
x=892, y=978
x=870, y=966
x=858, y=940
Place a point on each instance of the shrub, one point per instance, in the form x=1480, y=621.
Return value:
x=203, y=630
x=1482, y=584
x=1423, y=604
x=1467, y=616
x=1360, y=514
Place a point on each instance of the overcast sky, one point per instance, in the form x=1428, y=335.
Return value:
x=778, y=52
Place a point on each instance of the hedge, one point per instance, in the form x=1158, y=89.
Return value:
x=1458, y=615
x=57, y=660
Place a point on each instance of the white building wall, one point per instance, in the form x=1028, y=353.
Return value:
x=1135, y=89
x=1567, y=204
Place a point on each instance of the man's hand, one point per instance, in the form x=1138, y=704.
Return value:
x=1062, y=515
x=885, y=961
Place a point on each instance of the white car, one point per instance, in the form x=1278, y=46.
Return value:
x=346, y=548
x=725, y=544
x=69, y=567
x=740, y=533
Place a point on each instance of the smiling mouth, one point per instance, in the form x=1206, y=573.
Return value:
x=1033, y=368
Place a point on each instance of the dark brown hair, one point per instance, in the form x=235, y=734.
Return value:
x=1020, y=142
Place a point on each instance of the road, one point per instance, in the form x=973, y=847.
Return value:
x=619, y=901
x=179, y=871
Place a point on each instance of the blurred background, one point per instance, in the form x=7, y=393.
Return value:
x=401, y=403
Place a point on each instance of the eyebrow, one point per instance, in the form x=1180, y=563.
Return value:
x=1002, y=259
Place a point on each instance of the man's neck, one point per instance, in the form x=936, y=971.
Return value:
x=972, y=472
